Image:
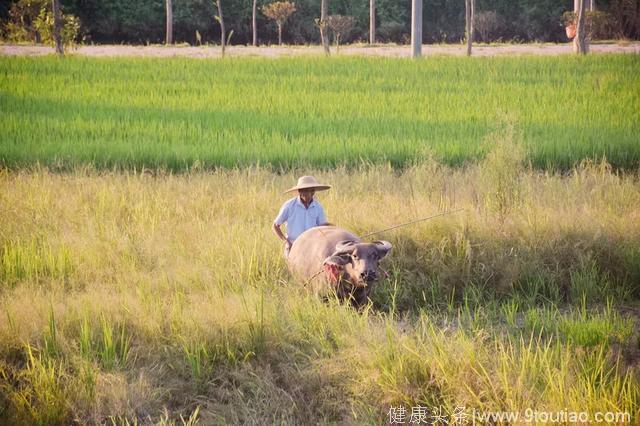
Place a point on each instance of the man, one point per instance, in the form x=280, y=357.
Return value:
x=300, y=213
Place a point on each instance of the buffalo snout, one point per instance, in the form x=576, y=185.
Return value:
x=369, y=276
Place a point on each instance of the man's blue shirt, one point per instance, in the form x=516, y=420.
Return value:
x=299, y=218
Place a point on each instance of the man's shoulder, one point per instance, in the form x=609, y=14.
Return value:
x=290, y=202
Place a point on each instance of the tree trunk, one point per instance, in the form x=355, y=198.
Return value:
x=169, y=35
x=279, y=34
x=580, y=41
x=337, y=43
x=254, y=23
x=372, y=21
x=469, y=15
x=416, y=28
x=323, y=30
x=223, y=35
x=57, y=27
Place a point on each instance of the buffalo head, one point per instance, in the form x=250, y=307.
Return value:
x=357, y=262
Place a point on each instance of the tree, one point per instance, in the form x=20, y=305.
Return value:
x=322, y=24
x=57, y=27
x=34, y=21
x=169, y=36
x=469, y=17
x=220, y=20
x=626, y=18
x=580, y=42
x=279, y=11
x=341, y=26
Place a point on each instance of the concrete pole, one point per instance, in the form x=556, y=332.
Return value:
x=591, y=5
x=416, y=28
x=469, y=16
x=254, y=25
x=169, y=32
x=372, y=21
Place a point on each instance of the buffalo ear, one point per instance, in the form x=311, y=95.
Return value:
x=384, y=247
x=338, y=260
x=333, y=267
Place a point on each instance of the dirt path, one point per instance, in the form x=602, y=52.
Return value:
x=276, y=51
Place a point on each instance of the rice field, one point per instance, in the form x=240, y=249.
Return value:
x=182, y=113
x=140, y=282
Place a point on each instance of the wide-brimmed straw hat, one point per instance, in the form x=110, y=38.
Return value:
x=309, y=182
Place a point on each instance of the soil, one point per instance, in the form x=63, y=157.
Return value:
x=279, y=51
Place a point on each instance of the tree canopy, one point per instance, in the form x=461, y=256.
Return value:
x=143, y=21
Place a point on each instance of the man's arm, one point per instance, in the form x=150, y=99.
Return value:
x=282, y=217
x=276, y=230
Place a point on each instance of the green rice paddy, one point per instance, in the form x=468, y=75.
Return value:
x=180, y=113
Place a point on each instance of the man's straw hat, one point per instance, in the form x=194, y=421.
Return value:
x=308, y=182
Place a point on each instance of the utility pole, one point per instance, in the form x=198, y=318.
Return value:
x=372, y=21
x=591, y=5
x=169, y=35
x=254, y=23
x=469, y=15
x=416, y=28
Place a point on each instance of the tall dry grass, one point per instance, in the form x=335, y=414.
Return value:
x=146, y=297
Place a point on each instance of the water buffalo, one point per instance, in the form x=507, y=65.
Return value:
x=332, y=260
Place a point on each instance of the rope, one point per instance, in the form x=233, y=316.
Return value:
x=385, y=230
x=410, y=223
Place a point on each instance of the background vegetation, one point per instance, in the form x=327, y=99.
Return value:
x=183, y=113
x=142, y=21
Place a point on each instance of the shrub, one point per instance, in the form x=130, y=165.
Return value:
x=341, y=26
x=600, y=25
x=279, y=11
x=32, y=21
x=488, y=25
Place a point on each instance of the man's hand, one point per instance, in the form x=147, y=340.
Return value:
x=276, y=230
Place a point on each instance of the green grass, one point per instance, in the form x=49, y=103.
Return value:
x=187, y=113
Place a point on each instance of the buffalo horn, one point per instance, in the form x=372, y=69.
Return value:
x=345, y=246
x=383, y=245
